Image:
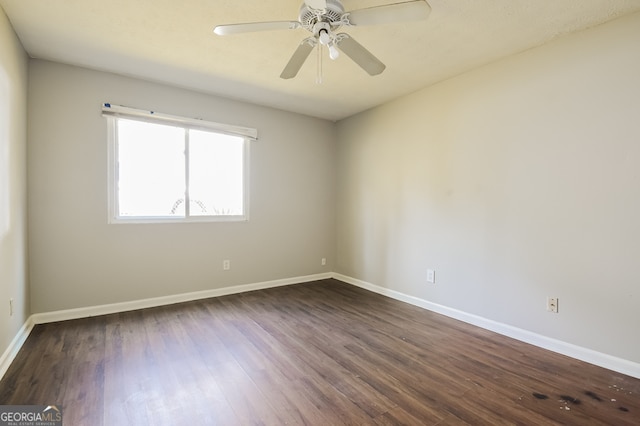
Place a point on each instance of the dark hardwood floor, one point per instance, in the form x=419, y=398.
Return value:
x=323, y=353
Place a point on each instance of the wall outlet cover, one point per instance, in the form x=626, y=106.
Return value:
x=431, y=276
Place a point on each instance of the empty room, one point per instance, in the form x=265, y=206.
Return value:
x=319, y=212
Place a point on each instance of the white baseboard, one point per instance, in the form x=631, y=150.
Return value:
x=92, y=311
x=14, y=347
x=597, y=358
x=600, y=359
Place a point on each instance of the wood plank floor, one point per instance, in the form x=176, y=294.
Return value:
x=322, y=353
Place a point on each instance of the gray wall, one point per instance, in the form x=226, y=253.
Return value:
x=516, y=181
x=78, y=260
x=13, y=183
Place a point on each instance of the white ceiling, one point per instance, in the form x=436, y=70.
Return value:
x=172, y=41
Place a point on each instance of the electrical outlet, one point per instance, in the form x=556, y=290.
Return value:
x=431, y=276
x=10, y=307
x=552, y=304
x=323, y=262
x=226, y=265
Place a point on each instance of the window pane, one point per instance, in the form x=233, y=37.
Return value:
x=216, y=174
x=151, y=170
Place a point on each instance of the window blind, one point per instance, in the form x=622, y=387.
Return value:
x=111, y=110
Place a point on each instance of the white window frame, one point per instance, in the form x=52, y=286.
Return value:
x=113, y=112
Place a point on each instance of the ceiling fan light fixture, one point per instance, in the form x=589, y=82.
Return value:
x=333, y=52
x=324, y=37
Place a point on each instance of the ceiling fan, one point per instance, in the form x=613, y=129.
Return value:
x=322, y=18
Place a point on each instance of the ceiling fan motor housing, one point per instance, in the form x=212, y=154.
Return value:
x=332, y=14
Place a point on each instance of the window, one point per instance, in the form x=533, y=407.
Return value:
x=171, y=169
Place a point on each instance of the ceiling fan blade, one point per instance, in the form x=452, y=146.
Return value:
x=359, y=54
x=316, y=4
x=256, y=26
x=299, y=56
x=409, y=11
